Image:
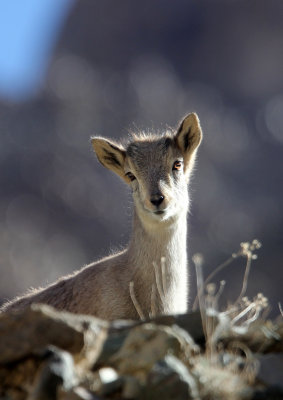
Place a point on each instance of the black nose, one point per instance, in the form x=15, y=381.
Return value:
x=156, y=199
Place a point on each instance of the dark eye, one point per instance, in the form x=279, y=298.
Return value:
x=177, y=166
x=130, y=176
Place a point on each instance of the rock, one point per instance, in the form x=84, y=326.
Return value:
x=46, y=354
x=190, y=322
x=78, y=393
x=131, y=387
x=111, y=345
x=148, y=343
x=170, y=379
x=16, y=377
x=28, y=365
x=273, y=392
x=56, y=372
x=119, y=330
x=109, y=381
x=30, y=331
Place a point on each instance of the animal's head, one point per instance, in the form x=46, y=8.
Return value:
x=156, y=167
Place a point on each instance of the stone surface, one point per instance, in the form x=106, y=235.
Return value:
x=148, y=343
x=78, y=393
x=190, y=323
x=29, y=331
x=57, y=371
x=119, y=330
x=51, y=355
x=169, y=379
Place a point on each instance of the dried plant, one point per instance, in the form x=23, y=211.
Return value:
x=135, y=301
x=236, y=318
x=227, y=367
x=159, y=288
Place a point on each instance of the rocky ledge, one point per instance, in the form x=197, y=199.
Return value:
x=46, y=354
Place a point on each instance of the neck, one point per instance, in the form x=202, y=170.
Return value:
x=158, y=258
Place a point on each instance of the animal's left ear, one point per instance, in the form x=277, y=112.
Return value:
x=188, y=137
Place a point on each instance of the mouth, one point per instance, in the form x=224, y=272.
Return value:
x=159, y=212
x=155, y=213
x=159, y=215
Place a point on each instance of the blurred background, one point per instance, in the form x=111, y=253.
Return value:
x=72, y=69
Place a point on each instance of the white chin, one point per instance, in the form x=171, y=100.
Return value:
x=158, y=215
x=161, y=215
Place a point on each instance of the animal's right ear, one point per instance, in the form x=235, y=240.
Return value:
x=111, y=155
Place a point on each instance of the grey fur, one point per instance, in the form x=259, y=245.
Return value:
x=159, y=233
